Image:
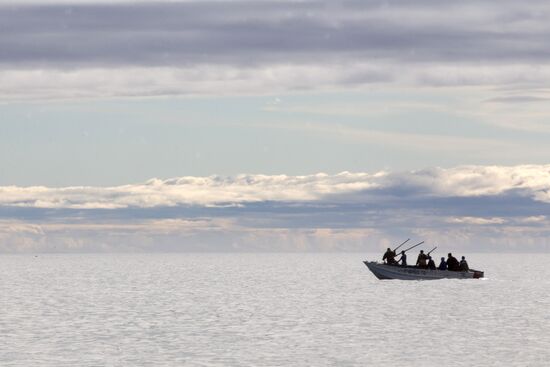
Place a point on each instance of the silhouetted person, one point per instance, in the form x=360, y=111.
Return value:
x=464, y=264
x=442, y=264
x=452, y=263
x=389, y=256
x=421, y=260
x=403, y=259
x=431, y=263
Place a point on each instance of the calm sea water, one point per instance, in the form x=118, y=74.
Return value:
x=267, y=310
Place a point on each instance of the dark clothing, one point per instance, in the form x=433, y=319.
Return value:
x=442, y=265
x=389, y=256
x=431, y=264
x=464, y=265
x=403, y=260
x=421, y=260
x=452, y=264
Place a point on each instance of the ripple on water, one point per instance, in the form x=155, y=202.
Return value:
x=267, y=309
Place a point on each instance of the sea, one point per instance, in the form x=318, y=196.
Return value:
x=267, y=309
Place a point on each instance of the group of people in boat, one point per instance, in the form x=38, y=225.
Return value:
x=425, y=261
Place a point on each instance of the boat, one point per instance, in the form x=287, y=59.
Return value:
x=385, y=271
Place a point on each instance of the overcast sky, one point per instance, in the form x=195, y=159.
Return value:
x=226, y=125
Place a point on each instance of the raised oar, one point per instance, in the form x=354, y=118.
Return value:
x=431, y=250
x=410, y=248
x=395, y=249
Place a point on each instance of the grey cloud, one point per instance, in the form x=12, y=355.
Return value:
x=252, y=32
x=54, y=50
x=324, y=213
x=459, y=224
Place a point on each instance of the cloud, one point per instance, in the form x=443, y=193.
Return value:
x=535, y=219
x=475, y=220
x=95, y=49
x=199, y=79
x=517, y=99
x=213, y=190
x=210, y=79
x=245, y=32
x=532, y=181
x=476, y=208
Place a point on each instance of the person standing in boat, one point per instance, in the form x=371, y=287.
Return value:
x=464, y=264
x=389, y=257
x=442, y=264
x=403, y=259
x=431, y=263
x=452, y=263
x=421, y=260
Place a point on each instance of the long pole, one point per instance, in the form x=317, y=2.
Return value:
x=431, y=250
x=395, y=249
x=410, y=248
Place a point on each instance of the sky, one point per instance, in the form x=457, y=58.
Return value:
x=263, y=125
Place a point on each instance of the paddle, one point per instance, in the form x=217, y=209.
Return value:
x=410, y=248
x=395, y=249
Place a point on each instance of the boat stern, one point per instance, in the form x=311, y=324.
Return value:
x=478, y=274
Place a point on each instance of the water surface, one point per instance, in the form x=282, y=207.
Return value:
x=267, y=310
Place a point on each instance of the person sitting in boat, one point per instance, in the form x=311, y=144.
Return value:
x=431, y=263
x=389, y=257
x=421, y=260
x=464, y=264
x=442, y=264
x=452, y=263
x=403, y=259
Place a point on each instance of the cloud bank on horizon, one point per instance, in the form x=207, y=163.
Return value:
x=531, y=181
x=471, y=208
x=63, y=49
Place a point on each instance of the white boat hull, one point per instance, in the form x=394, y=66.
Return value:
x=384, y=271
